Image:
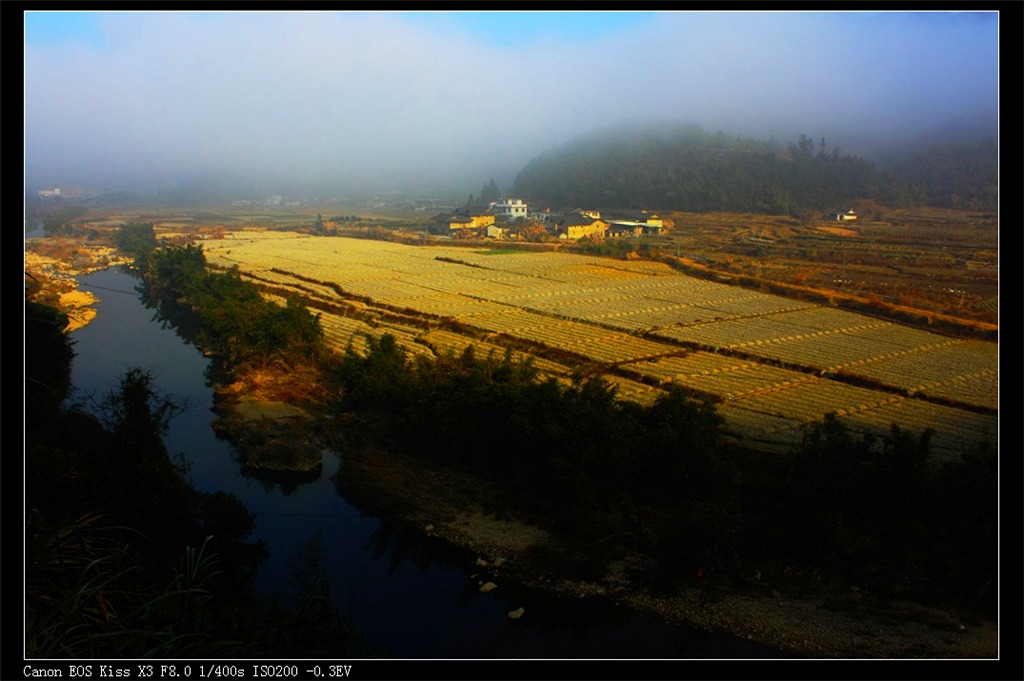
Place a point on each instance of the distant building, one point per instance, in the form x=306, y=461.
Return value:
x=510, y=209
x=578, y=225
x=651, y=223
x=844, y=216
x=447, y=223
x=622, y=228
x=546, y=215
x=61, y=192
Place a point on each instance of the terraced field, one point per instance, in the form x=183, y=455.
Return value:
x=776, y=364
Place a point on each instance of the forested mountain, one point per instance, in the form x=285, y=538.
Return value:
x=957, y=175
x=687, y=168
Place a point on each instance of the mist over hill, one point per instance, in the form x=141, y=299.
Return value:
x=671, y=165
x=683, y=167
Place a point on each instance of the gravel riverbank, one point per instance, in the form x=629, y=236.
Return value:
x=849, y=625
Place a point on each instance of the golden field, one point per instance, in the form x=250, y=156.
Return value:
x=775, y=363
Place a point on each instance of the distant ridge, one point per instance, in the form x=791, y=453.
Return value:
x=683, y=167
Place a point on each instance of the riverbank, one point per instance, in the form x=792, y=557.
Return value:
x=52, y=277
x=463, y=511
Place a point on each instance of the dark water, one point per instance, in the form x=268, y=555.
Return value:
x=410, y=596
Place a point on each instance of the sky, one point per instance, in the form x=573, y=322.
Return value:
x=343, y=102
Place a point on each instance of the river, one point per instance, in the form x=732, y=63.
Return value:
x=411, y=597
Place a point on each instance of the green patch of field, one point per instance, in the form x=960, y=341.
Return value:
x=497, y=251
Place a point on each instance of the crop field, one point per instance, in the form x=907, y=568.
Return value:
x=775, y=364
x=961, y=370
x=719, y=375
x=443, y=342
x=953, y=429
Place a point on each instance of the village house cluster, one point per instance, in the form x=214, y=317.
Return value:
x=61, y=193
x=511, y=218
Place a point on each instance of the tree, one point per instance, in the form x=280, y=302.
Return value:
x=60, y=219
x=136, y=239
x=48, y=356
x=803, y=149
x=138, y=417
x=175, y=272
x=489, y=193
x=533, y=230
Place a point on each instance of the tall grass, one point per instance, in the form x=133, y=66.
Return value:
x=88, y=596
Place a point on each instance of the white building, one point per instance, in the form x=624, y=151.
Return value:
x=62, y=192
x=509, y=208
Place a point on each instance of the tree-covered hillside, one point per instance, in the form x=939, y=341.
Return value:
x=687, y=168
x=956, y=175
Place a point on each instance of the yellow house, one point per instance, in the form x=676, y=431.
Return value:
x=468, y=221
x=453, y=222
x=654, y=220
x=579, y=226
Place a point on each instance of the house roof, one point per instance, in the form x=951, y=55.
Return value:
x=633, y=214
x=575, y=219
x=460, y=216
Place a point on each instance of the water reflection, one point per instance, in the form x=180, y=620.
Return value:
x=397, y=541
x=281, y=481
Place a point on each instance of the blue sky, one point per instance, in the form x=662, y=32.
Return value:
x=503, y=27
x=55, y=28
x=148, y=97
x=523, y=28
